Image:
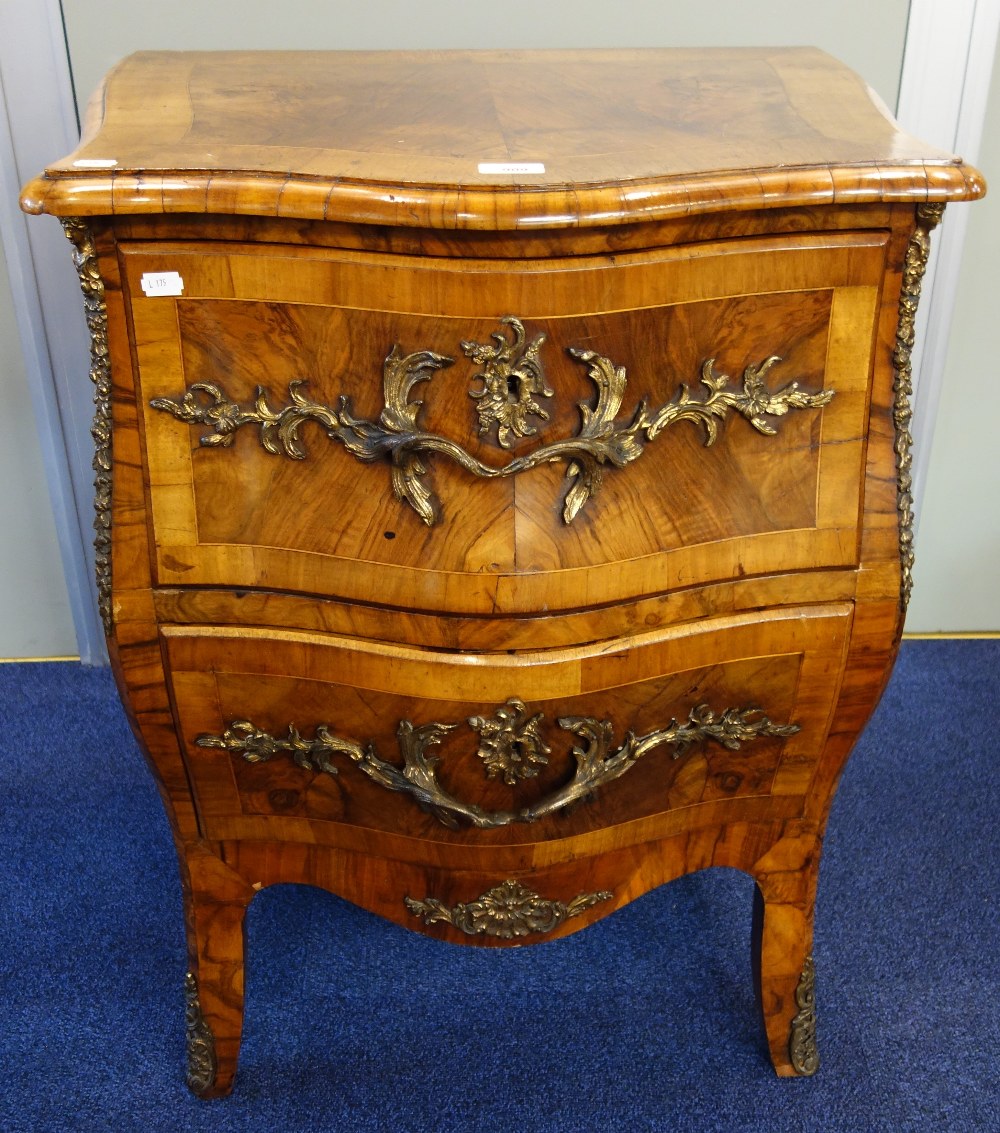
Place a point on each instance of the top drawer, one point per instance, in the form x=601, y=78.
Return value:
x=440, y=458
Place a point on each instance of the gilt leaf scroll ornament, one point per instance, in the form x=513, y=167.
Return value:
x=509, y=910
x=596, y=758
x=601, y=441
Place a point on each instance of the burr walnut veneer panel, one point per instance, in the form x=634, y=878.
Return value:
x=683, y=514
x=362, y=690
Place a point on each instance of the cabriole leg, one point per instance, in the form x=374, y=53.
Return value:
x=215, y=902
x=784, y=971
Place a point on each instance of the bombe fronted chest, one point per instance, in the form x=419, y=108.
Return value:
x=502, y=476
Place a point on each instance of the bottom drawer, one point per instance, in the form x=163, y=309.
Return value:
x=322, y=739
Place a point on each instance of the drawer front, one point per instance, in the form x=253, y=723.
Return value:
x=440, y=458
x=302, y=737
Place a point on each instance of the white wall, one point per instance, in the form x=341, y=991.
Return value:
x=868, y=35
x=956, y=581
x=35, y=617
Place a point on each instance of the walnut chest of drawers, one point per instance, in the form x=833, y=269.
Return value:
x=502, y=476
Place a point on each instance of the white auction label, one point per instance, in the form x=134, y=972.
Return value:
x=162, y=283
x=511, y=167
x=95, y=163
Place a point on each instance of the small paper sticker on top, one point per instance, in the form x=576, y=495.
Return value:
x=95, y=163
x=162, y=283
x=511, y=167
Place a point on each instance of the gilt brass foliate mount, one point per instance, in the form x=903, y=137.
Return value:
x=511, y=377
x=597, y=760
x=802, y=1050
x=509, y=910
x=96, y=312
x=509, y=742
x=914, y=266
x=201, y=1059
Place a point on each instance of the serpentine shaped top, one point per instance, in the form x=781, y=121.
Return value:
x=491, y=140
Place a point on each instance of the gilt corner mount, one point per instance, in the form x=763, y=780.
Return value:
x=512, y=377
x=96, y=312
x=914, y=265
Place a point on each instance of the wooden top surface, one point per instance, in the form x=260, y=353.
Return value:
x=399, y=137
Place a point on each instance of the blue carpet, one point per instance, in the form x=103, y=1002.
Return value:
x=645, y=1021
